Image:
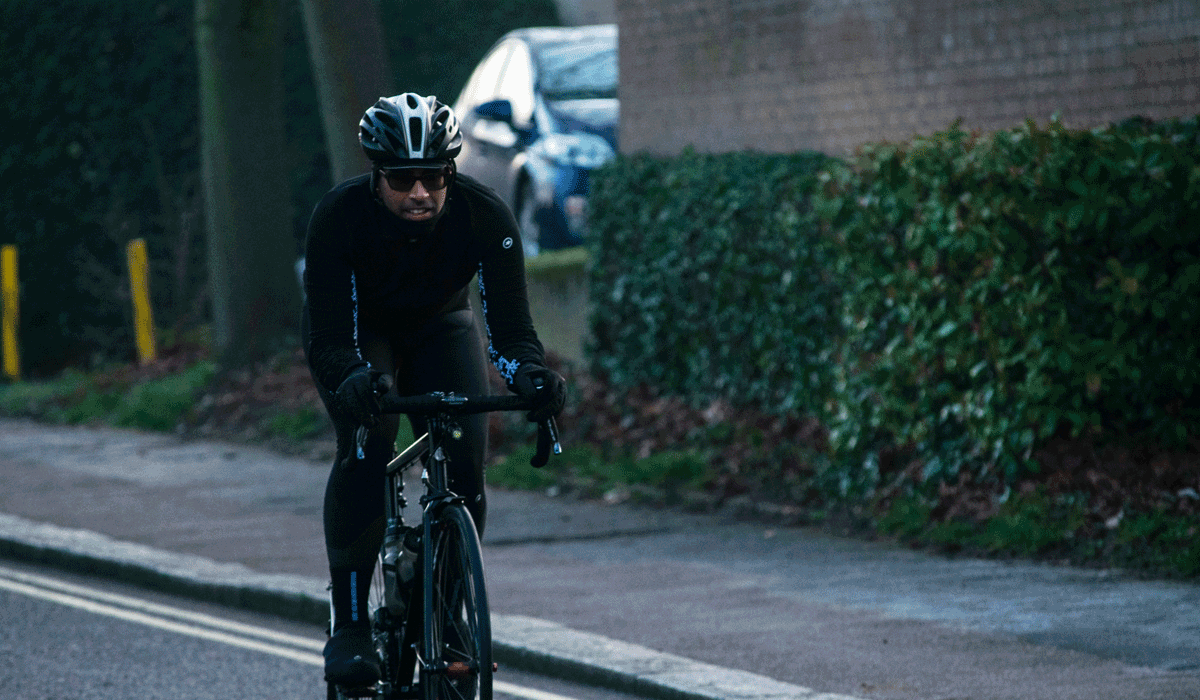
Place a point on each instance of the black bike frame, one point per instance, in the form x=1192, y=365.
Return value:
x=439, y=411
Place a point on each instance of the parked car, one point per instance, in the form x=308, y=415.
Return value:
x=538, y=114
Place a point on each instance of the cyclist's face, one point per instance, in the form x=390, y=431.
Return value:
x=414, y=194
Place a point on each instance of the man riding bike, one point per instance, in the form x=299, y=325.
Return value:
x=389, y=259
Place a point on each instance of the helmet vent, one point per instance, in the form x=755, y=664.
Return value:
x=416, y=134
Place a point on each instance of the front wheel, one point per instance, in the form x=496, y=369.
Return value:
x=457, y=659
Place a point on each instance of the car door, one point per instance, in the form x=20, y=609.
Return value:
x=510, y=140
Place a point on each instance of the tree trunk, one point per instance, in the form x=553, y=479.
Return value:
x=350, y=66
x=251, y=249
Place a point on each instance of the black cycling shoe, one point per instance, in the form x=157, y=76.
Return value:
x=350, y=658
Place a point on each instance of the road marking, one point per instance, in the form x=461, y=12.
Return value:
x=162, y=610
x=158, y=622
x=144, y=612
x=523, y=692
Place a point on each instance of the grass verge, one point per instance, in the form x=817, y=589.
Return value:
x=1158, y=543
x=586, y=470
x=75, y=398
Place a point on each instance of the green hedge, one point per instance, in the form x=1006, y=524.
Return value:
x=709, y=279
x=1005, y=288
x=953, y=302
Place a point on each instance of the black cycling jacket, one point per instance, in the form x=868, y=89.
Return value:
x=360, y=269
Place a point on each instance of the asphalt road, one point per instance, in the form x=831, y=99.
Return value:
x=69, y=637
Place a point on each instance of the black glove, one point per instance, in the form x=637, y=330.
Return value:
x=358, y=396
x=544, y=387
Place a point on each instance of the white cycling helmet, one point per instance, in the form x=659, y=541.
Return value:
x=409, y=127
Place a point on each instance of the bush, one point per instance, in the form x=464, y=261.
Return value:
x=1002, y=289
x=709, y=278
x=945, y=306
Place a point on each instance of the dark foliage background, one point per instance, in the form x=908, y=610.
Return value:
x=100, y=147
x=434, y=46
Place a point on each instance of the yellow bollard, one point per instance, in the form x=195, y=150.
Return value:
x=139, y=281
x=8, y=290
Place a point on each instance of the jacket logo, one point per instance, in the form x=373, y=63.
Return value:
x=508, y=243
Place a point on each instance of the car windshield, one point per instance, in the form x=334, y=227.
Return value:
x=578, y=70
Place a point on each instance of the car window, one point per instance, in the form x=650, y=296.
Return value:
x=483, y=82
x=578, y=70
x=516, y=85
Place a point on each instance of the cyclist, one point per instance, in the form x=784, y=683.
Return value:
x=389, y=259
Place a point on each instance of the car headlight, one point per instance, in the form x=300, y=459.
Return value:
x=578, y=150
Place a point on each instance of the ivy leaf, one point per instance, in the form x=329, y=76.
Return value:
x=1075, y=216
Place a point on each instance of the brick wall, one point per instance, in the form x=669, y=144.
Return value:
x=786, y=75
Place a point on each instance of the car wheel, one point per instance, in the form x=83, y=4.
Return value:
x=531, y=233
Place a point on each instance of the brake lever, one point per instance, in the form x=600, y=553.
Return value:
x=552, y=428
x=547, y=442
x=360, y=441
x=380, y=385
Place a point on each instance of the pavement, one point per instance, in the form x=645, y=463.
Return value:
x=657, y=603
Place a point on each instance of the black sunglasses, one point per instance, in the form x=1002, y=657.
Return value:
x=403, y=180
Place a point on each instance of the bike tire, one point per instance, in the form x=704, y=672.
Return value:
x=457, y=642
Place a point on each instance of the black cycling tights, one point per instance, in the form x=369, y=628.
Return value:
x=445, y=354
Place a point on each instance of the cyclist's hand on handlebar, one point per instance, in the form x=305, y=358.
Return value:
x=381, y=382
x=358, y=395
x=544, y=387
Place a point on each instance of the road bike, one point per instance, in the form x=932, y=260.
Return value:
x=433, y=633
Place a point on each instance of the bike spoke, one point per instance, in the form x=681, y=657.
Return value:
x=459, y=669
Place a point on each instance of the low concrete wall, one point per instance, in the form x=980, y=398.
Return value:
x=558, y=301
